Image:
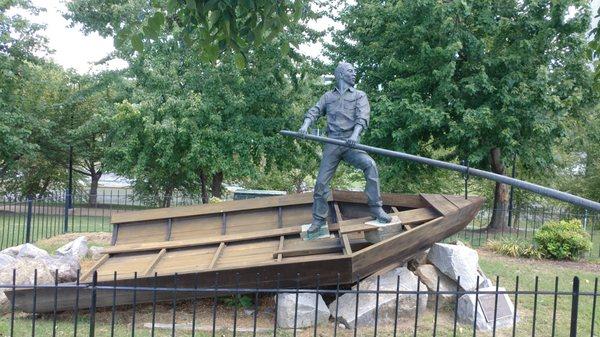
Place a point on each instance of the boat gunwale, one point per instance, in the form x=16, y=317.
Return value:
x=296, y=199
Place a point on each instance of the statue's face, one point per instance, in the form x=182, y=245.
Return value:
x=349, y=75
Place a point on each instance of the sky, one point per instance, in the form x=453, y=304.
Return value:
x=74, y=49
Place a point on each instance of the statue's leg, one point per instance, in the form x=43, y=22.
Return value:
x=361, y=160
x=329, y=163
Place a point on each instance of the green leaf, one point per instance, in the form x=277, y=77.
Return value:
x=240, y=60
x=172, y=6
x=157, y=20
x=137, y=42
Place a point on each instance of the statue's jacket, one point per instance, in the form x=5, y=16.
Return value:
x=343, y=111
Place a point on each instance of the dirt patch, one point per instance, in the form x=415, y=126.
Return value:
x=576, y=265
x=95, y=237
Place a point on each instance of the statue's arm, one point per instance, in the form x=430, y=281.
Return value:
x=313, y=114
x=363, y=112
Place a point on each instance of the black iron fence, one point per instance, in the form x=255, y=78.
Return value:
x=29, y=220
x=515, y=307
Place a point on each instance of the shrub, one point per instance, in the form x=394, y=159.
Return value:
x=514, y=248
x=563, y=240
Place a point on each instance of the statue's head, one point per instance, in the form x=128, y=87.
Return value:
x=345, y=72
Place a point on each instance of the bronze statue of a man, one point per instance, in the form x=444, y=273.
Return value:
x=347, y=110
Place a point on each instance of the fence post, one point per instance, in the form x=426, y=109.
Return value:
x=93, y=305
x=67, y=206
x=574, y=306
x=28, y=221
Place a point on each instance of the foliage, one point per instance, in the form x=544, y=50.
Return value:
x=467, y=79
x=514, y=248
x=213, y=27
x=239, y=301
x=563, y=240
x=20, y=40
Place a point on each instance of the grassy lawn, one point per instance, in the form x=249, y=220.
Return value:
x=13, y=226
x=493, y=265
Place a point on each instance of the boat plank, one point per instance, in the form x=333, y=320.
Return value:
x=95, y=267
x=196, y=210
x=139, y=247
x=216, y=255
x=280, y=247
x=347, y=247
x=392, y=199
x=457, y=201
x=154, y=262
x=410, y=217
x=400, y=246
x=440, y=203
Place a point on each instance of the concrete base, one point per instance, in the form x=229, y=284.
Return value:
x=323, y=233
x=384, y=230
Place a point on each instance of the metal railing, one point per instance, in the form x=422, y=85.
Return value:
x=556, y=309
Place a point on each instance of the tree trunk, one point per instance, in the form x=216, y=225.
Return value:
x=95, y=176
x=203, y=189
x=167, y=197
x=217, y=185
x=500, y=210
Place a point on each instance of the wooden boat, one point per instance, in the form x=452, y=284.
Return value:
x=237, y=243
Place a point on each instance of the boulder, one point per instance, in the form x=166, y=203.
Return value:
x=25, y=268
x=96, y=252
x=77, y=248
x=367, y=303
x=26, y=250
x=455, y=261
x=66, y=265
x=6, y=260
x=429, y=275
x=286, y=308
x=4, y=302
x=485, y=320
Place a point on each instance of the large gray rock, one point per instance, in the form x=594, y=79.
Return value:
x=25, y=275
x=25, y=272
x=387, y=302
x=96, y=252
x=6, y=260
x=504, y=317
x=429, y=275
x=455, y=261
x=26, y=250
x=77, y=248
x=286, y=308
x=67, y=267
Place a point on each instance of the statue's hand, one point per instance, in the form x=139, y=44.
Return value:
x=352, y=140
x=304, y=128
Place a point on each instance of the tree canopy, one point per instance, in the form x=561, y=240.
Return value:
x=477, y=80
x=213, y=27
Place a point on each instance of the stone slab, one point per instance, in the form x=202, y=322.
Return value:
x=384, y=230
x=323, y=233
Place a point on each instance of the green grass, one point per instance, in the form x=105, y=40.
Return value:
x=13, y=227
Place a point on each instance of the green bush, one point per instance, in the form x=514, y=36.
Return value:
x=514, y=248
x=563, y=240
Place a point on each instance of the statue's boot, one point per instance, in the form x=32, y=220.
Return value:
x=316, y=226
x=378, y=213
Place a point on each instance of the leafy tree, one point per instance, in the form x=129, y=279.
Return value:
x=483, y=80
x=191, y=124
x=213, y=26
x=90, y=110
x=19, y=42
